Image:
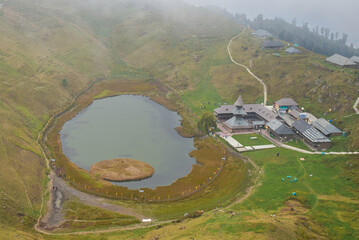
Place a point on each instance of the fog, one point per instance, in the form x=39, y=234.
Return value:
x=340, y=16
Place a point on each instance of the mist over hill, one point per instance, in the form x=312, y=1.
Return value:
x=339, y=16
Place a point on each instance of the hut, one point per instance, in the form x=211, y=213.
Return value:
x=268, y=44
x=341, y=61
x=262, y=34
x=293, y=50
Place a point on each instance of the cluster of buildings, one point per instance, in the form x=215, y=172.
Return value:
x=272, y=44
x=344, y=61
x=283, y=121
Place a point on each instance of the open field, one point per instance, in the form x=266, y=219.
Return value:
x=245, y=139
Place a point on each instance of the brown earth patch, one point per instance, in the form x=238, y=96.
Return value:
x=121, y=170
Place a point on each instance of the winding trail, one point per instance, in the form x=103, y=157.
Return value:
x=355, y=106
x=248, y=70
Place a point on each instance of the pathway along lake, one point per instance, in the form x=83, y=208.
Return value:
x=129, y=126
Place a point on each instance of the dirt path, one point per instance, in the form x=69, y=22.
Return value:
x=60, y=192
x=248, y=70
x=355, y=106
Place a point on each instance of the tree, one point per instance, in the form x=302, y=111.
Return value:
x=332, y=37
x=206, y=122
x=322, y=30
x=336, y=36
x=294, y=22
x=344, y=38
x=65, y=83
x=326, y=33
x=305, y=26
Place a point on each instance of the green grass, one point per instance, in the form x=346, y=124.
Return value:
x=245, y=139
x=298, y=144
x=339, y=144
x=331, y=175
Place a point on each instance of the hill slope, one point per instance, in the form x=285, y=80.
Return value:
x=53, y=49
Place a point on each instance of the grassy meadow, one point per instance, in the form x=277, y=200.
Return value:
x=136, y=45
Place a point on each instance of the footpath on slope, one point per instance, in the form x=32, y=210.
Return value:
x=248, y=70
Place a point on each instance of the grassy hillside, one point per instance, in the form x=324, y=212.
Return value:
x=53, y=49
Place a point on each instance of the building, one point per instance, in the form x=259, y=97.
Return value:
x=355, y=59
x=237, y=123
x=311, y=136
x=326, y=128
x=254, y=112
x=280, y=131
x=341, y=61
x=262, y=34
x=284, y=104
x=223, y=113
x=293, y=50
x=257, y=112
x=268, y=44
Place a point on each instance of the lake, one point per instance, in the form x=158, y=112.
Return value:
x=129, y=126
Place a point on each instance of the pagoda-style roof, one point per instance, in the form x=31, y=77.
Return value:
x=238, y=111
x=237, y=122
x=239, y=102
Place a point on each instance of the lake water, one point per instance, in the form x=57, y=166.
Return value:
x=129, y=126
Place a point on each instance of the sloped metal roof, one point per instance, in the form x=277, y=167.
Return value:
x=279, y=128
x=309, y=132
x=239, y=102
x=260, y=110
x=355, y=59
x=238, y=111
x=293, y=50
x=301, y=126
x=325, y=127
x=262, y=33
x=224, y=109
x=236, y=122
x=340, y=60
x=315, y=136
x=286, y=102
x=294, y=113
x=274, y=124
x=272, y=44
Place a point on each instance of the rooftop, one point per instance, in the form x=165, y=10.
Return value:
x=272, y=44
x=236, y=122
x=279, y=128
x=301, y=126
x=315, y=136
x=340, y=60
x=309, y=132
x=262, y=111
x=224, y=109
x=239, y=102
x=286, y=102
x=262, y=33
x=355, y=59
x=325, y=127
x=293, y=50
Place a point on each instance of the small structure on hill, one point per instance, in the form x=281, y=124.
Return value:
x=341, y=61
x=326, y=128
x=237, y=123
x=311, y=135
x=280, y=131
x=355, y=59
x=284, y=104
x=262, y=34
x=275, y=44
x=293, y=50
